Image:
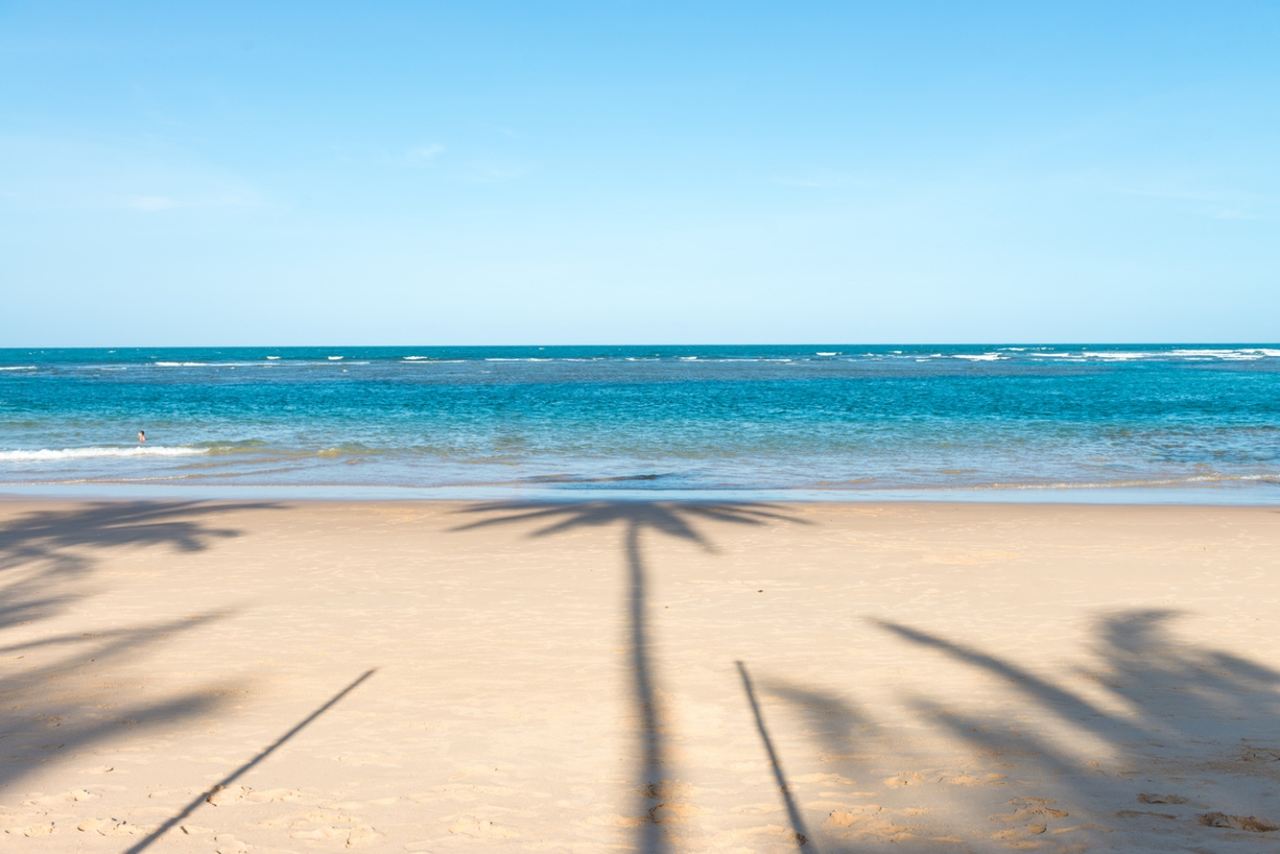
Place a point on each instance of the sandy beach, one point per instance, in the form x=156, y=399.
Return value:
x=420, y=677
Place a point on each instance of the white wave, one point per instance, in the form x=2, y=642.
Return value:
x=1197, y=354
x=205, y=364
x=827, y=353
x=272, y=358
x=502, y=359
x=687, y=358
x=17, y=368
x=335, y=358
x=45, y=454
x=985, y=357
x=415, y=358
x=1245, y=355
x=1129, y=484
x=1117, y=355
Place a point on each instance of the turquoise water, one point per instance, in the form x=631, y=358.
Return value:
x=1189, y=422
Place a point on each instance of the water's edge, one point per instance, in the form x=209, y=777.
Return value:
x=1259, y=496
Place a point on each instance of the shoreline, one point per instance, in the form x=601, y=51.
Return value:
x=1255, y=494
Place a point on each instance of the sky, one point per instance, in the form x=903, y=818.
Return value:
x=611, y=172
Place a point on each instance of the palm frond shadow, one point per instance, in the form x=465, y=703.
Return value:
x=679, y=520
x=1161, y=711
x=47, y=559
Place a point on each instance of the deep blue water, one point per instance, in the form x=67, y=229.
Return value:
x=836, y=419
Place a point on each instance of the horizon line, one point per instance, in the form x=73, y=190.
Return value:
x=987, y=343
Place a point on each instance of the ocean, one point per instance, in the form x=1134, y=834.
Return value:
x=1196, y=423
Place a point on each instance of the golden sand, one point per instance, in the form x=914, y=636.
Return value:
x=658, y=677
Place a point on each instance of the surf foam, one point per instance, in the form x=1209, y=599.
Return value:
x=50, y=454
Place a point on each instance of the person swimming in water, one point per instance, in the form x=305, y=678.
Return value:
x=142, y=437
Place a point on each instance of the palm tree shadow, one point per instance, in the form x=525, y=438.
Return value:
x=680, y=520
x=1161, y=713
x=1169, y=692
x=47, y=557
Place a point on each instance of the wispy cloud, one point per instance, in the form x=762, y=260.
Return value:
x=1233, y=213
x=421, y=155
x=161, y=202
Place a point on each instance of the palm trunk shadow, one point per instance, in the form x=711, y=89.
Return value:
x=793, y=812
x=652, y=834
x=673, y=519
x=191, y=807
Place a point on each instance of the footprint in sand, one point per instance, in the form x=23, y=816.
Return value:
x=327, y=826
x=1031, y=815
x=836, y=781
x=853, y=816
x=868, y=820
x=277, y=796
x=1025, y=809
x=1251, y=823
x=74, y=796
x=99, y=769
x=963, y=779
x=898, y=781
x=1254, y=753
x=41, y=829
x=224, y=795
x=109, y=827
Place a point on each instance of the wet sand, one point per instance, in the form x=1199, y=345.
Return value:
x=659, y=677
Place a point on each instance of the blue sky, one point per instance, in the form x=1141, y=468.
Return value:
x=471, y=173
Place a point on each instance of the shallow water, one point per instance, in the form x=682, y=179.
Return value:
x=1195, y=422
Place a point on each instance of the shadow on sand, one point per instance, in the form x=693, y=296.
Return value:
x=1161, y=712
x=46, y=559
x=634, y=520
x=239, y=772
